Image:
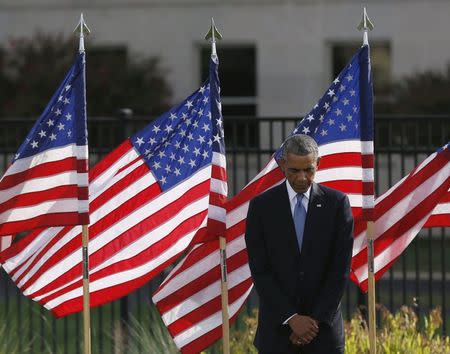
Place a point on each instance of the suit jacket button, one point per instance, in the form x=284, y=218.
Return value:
x=301, y=275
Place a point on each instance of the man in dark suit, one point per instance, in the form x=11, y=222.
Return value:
x=299, y=242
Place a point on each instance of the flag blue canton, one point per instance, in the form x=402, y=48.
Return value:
x=444, y=148
x=63, y=121
x=182, y=141
x=342, y=112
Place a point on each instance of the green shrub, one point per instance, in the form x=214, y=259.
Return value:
x=10, y=341
x=242, y=341
x=146, y=335
x=398, y=333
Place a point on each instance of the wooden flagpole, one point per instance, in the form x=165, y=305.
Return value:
x=367, y=25
x=214, y=35
x=82, y=29
x=371, y=292
x=86, y=303
x=224, y=284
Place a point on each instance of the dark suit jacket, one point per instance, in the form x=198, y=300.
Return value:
x=308, y=283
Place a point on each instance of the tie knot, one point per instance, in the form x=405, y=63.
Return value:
x=300, y=197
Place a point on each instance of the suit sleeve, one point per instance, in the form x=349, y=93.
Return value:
x=339, y=267
x=265, y=284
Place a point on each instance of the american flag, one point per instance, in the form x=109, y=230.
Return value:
x=341, y=123
x=420, y=199
x=149, y=199
x=46, y=184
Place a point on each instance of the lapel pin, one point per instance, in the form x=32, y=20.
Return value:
x=319, y=205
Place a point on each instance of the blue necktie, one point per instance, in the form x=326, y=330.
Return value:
x=299, y=219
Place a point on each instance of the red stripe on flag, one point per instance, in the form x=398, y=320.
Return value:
x=71, y=218
x=345, y=186
x=340, y=160
x=82, y=166
x=439, y=220
x=219, y=172
x=368, y=188
x=217, y=199
x=445, y=198
x=367, y=161
x=35, y=198
x=83, y=193
x=39, y=171
x=214, y=230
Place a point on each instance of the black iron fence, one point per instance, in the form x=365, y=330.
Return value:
x=420, y=278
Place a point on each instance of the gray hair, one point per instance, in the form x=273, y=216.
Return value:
x=300, y=144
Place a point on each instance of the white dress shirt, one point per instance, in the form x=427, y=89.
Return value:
x=293, y=201
x=293, y=198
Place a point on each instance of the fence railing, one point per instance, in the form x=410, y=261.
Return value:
x=419, y=278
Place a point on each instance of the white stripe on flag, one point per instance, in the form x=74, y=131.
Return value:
x=342, y=173
x=40, y=184
x=5, y=242
x=47, y=207
x=443, y=208
x=345, y=147
x=46, y=156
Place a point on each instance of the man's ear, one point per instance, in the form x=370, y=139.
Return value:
x=318, y=162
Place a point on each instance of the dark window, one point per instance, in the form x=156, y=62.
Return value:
x=380, y=58
x=237, y=75
x=110, y=58
x=237, y=69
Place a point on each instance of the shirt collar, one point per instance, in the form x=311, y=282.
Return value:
x=293, y=194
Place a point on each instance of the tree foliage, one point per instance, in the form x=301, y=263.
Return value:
x=32, y=68
x=425, y=92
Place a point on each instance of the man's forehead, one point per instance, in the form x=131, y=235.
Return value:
x=300, y=160
x=309, y=157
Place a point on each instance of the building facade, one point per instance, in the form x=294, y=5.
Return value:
x=277, y=56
